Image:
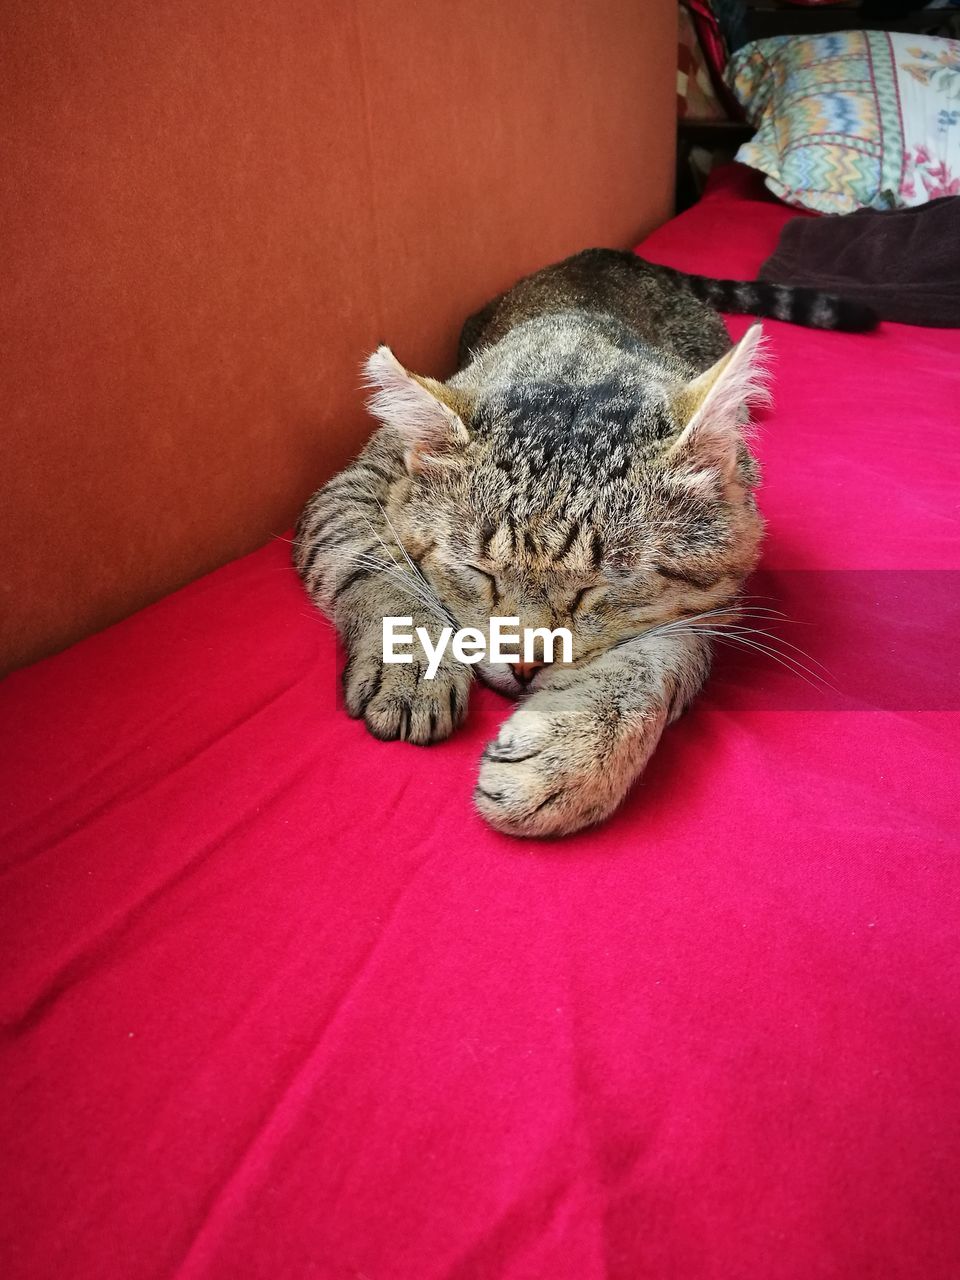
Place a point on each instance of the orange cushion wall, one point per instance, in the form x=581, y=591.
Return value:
x=211, y=211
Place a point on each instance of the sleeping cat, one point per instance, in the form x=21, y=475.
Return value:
x=585, y=467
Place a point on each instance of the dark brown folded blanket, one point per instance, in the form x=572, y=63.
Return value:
x=905, y=263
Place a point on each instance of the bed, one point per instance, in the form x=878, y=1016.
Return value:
x=277, y=1004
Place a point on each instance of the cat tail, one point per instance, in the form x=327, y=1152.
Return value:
x=793, y=303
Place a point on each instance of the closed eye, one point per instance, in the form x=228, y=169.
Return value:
x=701, y=581
x=584, y=598
x=491, y=579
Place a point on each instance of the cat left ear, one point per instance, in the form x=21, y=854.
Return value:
x=428, y=416
x=714, y=406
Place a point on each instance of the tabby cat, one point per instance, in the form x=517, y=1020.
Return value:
x=585, y=467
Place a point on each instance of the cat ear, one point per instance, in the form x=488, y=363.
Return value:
x=428, y=415
x=713, y=407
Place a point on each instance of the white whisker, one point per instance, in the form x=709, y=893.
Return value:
x=731, y=624
x=416, y=570
x=807, y=674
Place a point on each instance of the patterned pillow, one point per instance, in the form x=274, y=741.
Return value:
x=857, y=119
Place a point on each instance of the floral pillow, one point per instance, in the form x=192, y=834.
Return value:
x=852, y=120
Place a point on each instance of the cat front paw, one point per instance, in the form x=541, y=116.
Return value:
x=544, y=774
x=397, y=701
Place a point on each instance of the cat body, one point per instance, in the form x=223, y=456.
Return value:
x=585, y=467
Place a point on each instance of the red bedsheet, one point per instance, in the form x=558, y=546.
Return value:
x=276, y=1004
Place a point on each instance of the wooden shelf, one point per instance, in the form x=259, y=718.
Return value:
x=778, y=18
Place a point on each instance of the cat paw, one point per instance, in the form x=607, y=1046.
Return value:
x=396, y=700
x=543, y=775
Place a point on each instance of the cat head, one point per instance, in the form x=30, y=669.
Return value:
x=607, y=507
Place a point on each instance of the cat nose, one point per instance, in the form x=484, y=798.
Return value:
x=525, y=671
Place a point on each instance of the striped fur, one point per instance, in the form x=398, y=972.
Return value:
x=793, y=303
x=585, y=467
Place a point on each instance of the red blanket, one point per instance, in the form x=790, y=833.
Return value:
x=276, y=1004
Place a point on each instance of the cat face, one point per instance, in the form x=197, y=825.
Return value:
x=636, y=521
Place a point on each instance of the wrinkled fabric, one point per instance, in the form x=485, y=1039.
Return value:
x=275, y=1003
x=905, y=263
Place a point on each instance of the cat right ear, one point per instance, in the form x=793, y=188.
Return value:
x=712, y=407
x=428, y=416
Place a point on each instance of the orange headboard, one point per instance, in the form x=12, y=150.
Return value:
x=210, y=212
